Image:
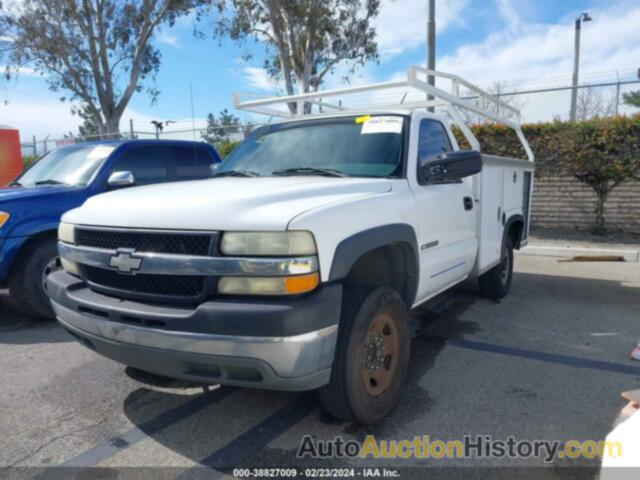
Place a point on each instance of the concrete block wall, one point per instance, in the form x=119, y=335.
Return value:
x=564, y=203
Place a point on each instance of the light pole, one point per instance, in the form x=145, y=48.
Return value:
x=584, y=17
x=431, y=45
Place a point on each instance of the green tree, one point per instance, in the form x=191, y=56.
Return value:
x=99, y=51
x=89, y=129
x=304, y=39
x=604, y=154
x=632, y=98
x=221, y=127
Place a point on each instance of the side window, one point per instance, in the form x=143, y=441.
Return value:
x=149, y=164
x=432, y=142
x=192, y=163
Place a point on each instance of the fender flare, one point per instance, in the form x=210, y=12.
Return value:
x=354, y=247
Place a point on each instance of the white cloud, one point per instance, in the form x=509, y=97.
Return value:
x=38, y=116
x=402, y=24
x=522, y=52
x=258, y=79
x=45, y=116
x=509, y=14
x=525, y=51
x=400, y=27
x=531, y=51
x=169, y=39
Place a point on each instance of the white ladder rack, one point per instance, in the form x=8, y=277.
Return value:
x=475, y=101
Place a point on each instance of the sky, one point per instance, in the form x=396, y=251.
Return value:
x=515, y=42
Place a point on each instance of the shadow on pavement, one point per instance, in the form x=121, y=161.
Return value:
x=249, y=448
x=568, y=299
x=17, y=328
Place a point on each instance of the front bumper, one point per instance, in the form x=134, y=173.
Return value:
x=202, y=344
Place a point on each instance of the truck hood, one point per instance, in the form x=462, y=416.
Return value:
x=226, y=203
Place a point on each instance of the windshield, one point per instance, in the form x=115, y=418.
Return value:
x=70, y=165
x=369, y=146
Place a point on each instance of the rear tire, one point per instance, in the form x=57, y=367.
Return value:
x=496, y=283
x=372, y=356
x=26, y=284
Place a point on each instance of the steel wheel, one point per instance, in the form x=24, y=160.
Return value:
x=379, y=354
x=372, y=356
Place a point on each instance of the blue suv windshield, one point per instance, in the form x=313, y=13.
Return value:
x=70, y=165
x=364, y=146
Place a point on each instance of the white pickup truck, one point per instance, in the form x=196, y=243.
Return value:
x=295, y=267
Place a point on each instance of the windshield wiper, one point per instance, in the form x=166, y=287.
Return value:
x=327, y=172
x=15, y=184
x=235, y=173
x=50, y=182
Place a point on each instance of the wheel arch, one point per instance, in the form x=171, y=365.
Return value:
x=26, y=244
x=514, y=227
x=388, y=255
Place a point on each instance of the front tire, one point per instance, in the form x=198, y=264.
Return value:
x=496, y=283
x=27, y=283
x=372, y=356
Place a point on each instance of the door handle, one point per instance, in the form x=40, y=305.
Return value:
x=468, y=203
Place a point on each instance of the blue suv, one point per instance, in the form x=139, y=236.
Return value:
x=31, y=207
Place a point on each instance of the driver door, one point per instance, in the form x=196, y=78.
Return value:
x=446, y=215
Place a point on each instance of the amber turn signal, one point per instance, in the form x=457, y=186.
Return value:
x=301, y=283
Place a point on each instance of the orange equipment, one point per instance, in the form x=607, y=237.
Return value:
x=10, y=155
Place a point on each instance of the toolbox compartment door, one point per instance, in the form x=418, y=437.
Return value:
x=491, y=209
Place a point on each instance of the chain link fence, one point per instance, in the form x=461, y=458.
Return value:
x=36, y=148
x=600, y=95
x=554, y=104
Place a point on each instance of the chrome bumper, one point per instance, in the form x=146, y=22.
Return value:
x=133, y=262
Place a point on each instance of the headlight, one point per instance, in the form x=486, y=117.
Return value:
x=70, y=267
x=268, y=243
x=268, y=285
x=4, y=216
x=67, y=233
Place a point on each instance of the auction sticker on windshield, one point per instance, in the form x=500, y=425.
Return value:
x=382, y=124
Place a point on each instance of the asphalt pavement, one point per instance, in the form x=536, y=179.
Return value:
x=548, y=362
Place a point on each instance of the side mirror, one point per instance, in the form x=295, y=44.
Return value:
x=214, y=167
x=121, y=179
x=451, y=166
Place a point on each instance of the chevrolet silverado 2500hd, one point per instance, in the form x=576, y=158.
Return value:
x=296, y=267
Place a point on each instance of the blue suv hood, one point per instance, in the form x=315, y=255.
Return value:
x=20, y=193
x=38, y=208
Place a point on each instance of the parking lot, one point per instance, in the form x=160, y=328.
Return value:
x=549, y=362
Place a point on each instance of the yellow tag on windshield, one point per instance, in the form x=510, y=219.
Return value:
x=363, y=119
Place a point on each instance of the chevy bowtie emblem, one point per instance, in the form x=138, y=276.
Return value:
x=125, y=261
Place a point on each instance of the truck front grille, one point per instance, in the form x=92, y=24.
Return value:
x=164, y=288
x=161, y=285
x=162, y=242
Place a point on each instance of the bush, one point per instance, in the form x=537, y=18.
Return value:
x=225, y=147
x=27, y=160
x=602, y=153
